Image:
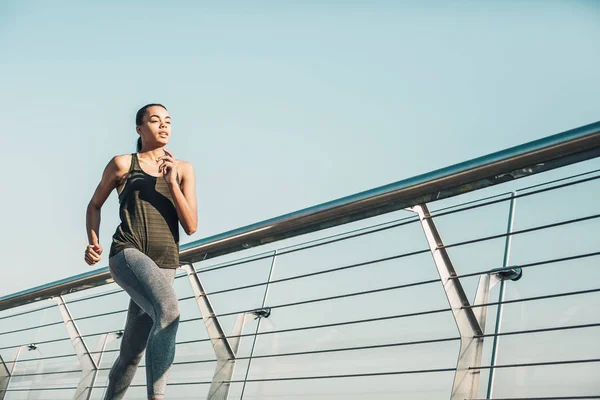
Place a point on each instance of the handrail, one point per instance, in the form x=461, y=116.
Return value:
x=544, y=154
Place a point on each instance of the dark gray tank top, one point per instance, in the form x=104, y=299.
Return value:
x=149, y=219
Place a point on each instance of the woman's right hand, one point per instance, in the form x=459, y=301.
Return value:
x=92, y=253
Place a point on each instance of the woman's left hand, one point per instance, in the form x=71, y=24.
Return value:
x=168, y=168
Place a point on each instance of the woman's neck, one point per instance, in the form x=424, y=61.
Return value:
x=153, y=154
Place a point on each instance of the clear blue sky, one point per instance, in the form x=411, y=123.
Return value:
x=278, y=106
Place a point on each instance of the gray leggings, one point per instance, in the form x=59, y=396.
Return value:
x=152, y=322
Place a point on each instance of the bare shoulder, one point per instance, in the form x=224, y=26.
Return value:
x=185, y=166
x=115, y=171
x=118, y=168
x=121, y=163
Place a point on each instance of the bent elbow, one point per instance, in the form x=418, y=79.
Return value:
x=191, y=230
x=93, y=206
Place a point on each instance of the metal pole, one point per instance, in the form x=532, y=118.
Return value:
x=501, y=294
x=104, y=341
x=5, y=375
x=470, y=324
x=7, y=370
x=87, y=362
x=224, y=349
x=264, y=302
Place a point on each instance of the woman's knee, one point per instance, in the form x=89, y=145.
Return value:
x=168, y=314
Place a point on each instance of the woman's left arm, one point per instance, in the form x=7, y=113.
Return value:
x=183, y=192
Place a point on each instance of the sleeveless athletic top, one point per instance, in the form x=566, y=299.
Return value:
x=149, y=219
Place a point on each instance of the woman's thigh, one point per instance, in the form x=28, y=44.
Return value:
x=148, y=285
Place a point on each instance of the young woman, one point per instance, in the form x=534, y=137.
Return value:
x=156, y=193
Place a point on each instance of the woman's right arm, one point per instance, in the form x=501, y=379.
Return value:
x=113, y=174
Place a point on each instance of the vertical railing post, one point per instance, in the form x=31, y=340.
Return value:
x=88, y=364
x=264, y=303
x=224, y=349
x=470, y=323
x=501, y=295
x=5, y=374
x=7, y=370
x=102, y=343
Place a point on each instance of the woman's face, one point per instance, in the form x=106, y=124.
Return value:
x=156, y=127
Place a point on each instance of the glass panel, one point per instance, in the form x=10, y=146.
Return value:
x=414, y=386
x=548, y=381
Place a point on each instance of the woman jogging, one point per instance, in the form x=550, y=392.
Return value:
x=156, y=193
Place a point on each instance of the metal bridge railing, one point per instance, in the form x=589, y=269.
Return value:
x=491, y=294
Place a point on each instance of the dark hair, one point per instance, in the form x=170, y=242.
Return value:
x=139, y=117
